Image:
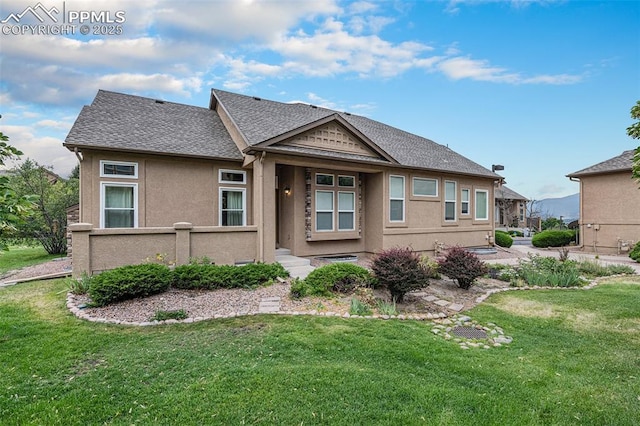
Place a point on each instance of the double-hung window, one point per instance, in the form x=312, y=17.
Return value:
x=482, y=204
x=119, y=205
x=346, y=211
x=396, y=198
x=450, y=201
x=324, y=210
x=464, y=201
x=233, y=200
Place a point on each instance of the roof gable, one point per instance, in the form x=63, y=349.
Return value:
x=264, y=123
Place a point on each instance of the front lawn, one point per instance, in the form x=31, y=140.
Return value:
x=574, y=360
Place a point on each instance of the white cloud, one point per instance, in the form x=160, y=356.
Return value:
x=54, y=124
x=459, y=67
x=46, y=150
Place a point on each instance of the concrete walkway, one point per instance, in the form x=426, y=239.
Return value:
x=298, y=267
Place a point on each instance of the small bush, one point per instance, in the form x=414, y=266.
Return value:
x=386, y=308
x=209, y=277
x=334, y=277
x=503, y=239
x=128, y=282
x=179, y=314
x=595, y=269
x=400, y=271
x=620, y=269
x=548, y=271
x=515, y=233
x=298, y=289
x=359, y=308
x=462, y=266
x=431, y=266
x=80, y=285
x=551, y=238
x=635, y=252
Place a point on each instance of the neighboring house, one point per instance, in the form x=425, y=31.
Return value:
x=247, y=175
x=511, y=208
x=609, y=205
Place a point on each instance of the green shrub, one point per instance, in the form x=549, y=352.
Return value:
x=128, y=282
x=551, y=238
x=548, y=271
x=503, y=239
x=179, y=314
x=386, y=308
x=515, y=233
x=431, y=266
x=635, y=252
x=210, y=277
x=80, y=285
x=335, y=277
x=620, y=269
x=359, y=308
x=463, y=266
x=400, y=271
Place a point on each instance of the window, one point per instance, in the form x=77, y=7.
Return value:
x=232, y=176
x=449, y=201
x=346, y=211
x=464, y=201
x=324, y=210
x=521, y=212
x=396, y=198
x=324, y=179
x=119, y=205
x=118, y=169
x=425, y=187
x=482, y=205
x=347, y=181
x=232, y=207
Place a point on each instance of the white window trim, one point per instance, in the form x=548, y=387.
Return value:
x=244, y=205
x=332, y=211
x=333, y=177
x=453, y=200
x=346, y=211
x=413, y=187
x=118, y=163
x=403, y=199
x=230, y=182
x=477, y=191
x=135, y=200
x=345, y=186
x=468, y=202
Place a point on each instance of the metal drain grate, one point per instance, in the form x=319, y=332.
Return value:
x=469, y=333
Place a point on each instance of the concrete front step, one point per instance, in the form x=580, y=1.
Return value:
x=289, y=261
x=282, y=251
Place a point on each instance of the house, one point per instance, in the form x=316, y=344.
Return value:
x=247, y=175
x=511, y=208
x=609, y=205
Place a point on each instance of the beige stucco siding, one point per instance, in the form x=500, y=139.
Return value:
x=610, y=210
x=169, y=190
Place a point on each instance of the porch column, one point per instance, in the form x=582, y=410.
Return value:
x=81, y=257
x=264, y=207
x=183, y=242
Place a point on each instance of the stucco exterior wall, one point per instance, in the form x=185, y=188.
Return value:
x=609, y=211
x=169, y=189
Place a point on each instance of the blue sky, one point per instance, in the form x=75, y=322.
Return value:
x=541, y=87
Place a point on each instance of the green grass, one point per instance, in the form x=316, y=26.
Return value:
x=19, y=257
x=574, y=360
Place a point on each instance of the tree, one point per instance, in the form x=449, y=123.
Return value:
x=52, y=196
x=634, y=132
x=14, y=209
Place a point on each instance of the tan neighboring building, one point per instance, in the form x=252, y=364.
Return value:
x=511, y=208
x=247, y=175
x=609, y=205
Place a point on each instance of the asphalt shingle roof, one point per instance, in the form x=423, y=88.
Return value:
x=116, y=121
x=506, y=193
x=261, y=120
x=621, y=163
